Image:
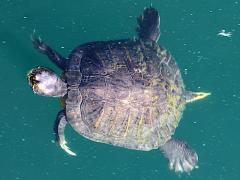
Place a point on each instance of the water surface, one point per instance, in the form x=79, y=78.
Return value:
x=188, y=29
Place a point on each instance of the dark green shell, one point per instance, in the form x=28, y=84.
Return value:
x=131, y=93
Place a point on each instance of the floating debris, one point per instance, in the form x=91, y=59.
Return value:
x=223, y=33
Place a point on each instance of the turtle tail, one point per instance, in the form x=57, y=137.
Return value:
x=190, y=96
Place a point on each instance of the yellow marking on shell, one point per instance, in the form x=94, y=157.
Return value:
x=173, y=87
x=177, y=115
x=114, y=123
x=62, y=102
x=172, y=101
x=164, y=117
x=162, y=84
x=99, y=119
x=141, y=65
x=154, y=81
x=154, y=98
x=173, y=107
x=128, y=124
x=140, y=126
x=151, y=115
x=158, y=139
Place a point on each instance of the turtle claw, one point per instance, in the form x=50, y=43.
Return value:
x=182, y=165
x=38, y=43
x=64, y=146
x=181, y=157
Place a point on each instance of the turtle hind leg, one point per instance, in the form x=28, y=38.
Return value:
x=59, y=128
x=149, y=25
x=42, y=47
x=181, y=157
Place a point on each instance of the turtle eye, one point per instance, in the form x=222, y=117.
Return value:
x=32, y=79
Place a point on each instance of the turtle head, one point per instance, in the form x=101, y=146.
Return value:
x=45, y=82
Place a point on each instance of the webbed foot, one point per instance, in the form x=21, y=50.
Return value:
x=149, y=25
x=42, y=47
x=181, y=157
x=59, y=128
x=38, y=43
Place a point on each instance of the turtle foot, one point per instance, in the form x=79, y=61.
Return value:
x=59, y=128
x=38, y=43
x=181, y=157
x=64, y=146
x=43, y=48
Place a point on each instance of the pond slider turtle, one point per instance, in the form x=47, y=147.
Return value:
x=127, y=93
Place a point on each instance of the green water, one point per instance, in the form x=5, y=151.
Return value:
x=189, y=30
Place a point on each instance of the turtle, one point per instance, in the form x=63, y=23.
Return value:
x=128, y=93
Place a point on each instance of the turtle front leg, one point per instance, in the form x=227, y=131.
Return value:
x=59, y=128
x=182, y=158
x=54, y=56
